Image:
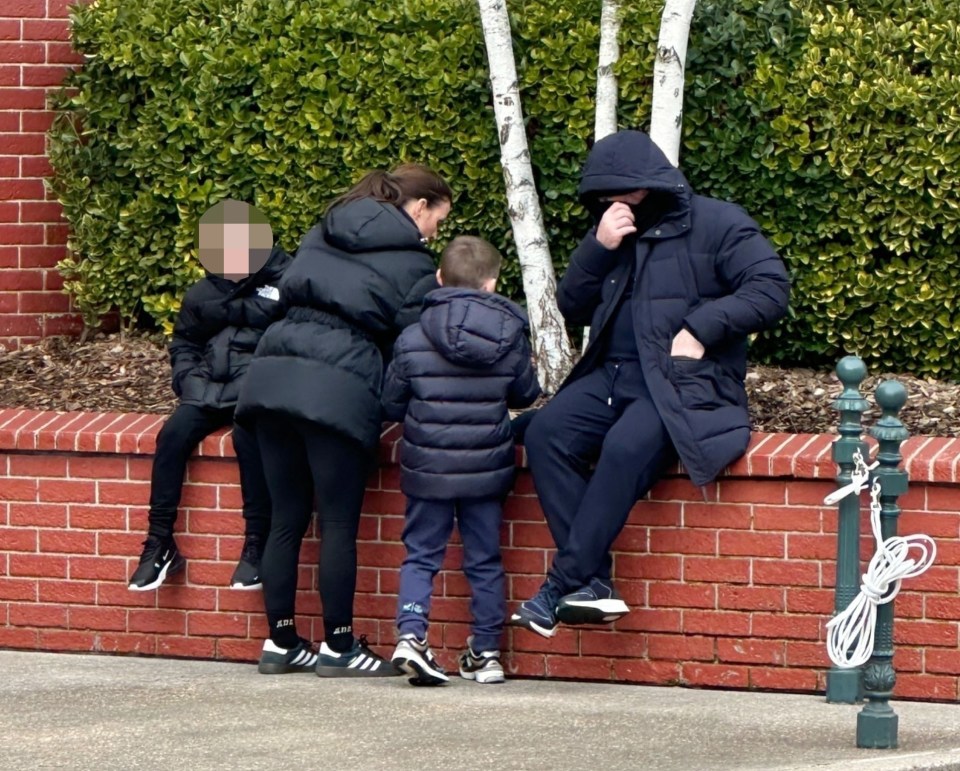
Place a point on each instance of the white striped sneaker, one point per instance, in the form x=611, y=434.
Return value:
x=359, y=661
x=275, y=660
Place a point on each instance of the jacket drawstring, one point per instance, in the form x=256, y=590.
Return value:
x=613, y=380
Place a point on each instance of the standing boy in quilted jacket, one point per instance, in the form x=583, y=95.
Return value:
x=218, y=328
x=451, y=381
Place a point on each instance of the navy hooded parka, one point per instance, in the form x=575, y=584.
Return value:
x=702, y=264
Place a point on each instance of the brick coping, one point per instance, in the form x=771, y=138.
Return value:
x=799, y=456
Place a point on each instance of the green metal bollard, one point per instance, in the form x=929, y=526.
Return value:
x=844, y=685
x=877, y=722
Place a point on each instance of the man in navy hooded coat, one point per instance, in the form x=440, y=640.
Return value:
x=672, y=284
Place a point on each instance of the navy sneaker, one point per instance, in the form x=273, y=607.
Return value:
x=598, y=603
x=359, y=661
x=247, y=574
x=275, y=660
x=160, y=558
x=539, y=614
x=414, y=657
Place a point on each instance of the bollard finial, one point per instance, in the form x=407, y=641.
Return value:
x=891, y=396
x=851, y=370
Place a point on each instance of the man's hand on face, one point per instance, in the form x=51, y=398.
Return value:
x=616, y=223
x=686, y=345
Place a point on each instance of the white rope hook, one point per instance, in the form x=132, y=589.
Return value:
x=859, y=478
x=850, y=636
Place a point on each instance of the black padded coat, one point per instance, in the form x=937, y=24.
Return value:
x=217, y=331
x=453, y=376
x=357, y=280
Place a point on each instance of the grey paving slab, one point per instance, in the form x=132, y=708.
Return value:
x=63, y=711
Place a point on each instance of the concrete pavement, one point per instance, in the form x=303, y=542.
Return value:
x=66, y=711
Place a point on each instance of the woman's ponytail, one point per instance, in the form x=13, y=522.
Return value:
x=407, y=181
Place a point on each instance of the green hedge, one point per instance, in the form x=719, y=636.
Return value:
x=837, y=130
x=841, y=134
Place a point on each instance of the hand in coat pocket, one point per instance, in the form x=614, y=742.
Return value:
x=686, y=346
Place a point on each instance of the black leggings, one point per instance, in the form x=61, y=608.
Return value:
x=178, y=438
x=304, y=462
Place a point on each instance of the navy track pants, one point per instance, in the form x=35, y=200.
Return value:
x=595, y=449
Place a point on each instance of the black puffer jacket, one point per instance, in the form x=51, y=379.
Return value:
x=218, y=328
x=458, y=370
x=358, y=279
x=702, y=264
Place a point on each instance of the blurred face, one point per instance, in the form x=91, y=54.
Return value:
x=235, y=239
x=633, y=198
x=426, y=217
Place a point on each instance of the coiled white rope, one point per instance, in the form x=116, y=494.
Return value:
x=850, y=637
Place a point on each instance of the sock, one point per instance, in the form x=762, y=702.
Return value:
x=418, y=632
x=283, y=631
x=339, y=637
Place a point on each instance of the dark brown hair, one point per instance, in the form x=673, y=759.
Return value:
x=469, y=262
x=408, y=181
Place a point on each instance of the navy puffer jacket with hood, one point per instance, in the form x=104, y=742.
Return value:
x=357, y=280
x=699, y=263
x=217, y=331
x=453, y=376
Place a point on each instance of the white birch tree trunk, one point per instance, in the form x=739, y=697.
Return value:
x=666, y=119
x=605, y=121
x=607, y=95
x=551, y=345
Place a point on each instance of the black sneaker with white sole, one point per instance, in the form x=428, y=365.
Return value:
x=247, y=574
x=598, y=603
x=275, y=660
x=414, y=657
x=359, y=661
x=160, y=558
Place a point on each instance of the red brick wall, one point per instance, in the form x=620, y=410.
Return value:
x=35, y=53
x=730, y=592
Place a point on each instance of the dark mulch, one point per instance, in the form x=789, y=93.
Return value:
x=108, y=373
x=132, y=374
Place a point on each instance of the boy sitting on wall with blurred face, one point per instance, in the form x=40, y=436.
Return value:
x=451, y=381
x=220, y=322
